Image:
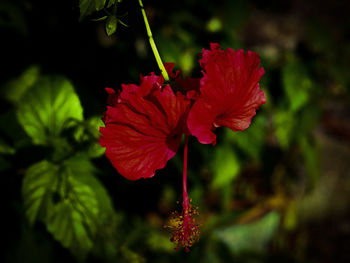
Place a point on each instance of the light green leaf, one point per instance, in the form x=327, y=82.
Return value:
x=122, y=23
x=87, y=134
x=14, y=89
x=100, y=19
x=69, y=200
x=250, y=237
x=296, y=83
x=95, y=149
x=68, y=225
x=39, y=185
x=226, y=166
x=87, y=7
x=83, y=170
x=111, y=25
x=47, y=106
x=73, y=221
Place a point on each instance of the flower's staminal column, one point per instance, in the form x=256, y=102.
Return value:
x=184, y=227
x=185, y=202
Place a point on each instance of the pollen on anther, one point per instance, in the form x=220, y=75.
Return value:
x=184, y=228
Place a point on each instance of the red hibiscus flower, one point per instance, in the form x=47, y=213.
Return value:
x=229, y=92
x=144, y=124
x=143, y=127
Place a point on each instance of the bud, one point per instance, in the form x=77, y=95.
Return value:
x=111, y=25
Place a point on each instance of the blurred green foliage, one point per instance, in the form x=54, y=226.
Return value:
x=250, y=237
x=263, y=194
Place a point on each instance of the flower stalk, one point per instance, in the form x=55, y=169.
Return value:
x=185, y=202
x=153, y=44
x=185, y=229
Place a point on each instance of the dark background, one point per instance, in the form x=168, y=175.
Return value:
x=293, y=162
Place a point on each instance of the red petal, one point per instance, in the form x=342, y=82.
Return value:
x=169, y=67
x=143, y=130
x=229, y=93
x=112, y=96
x=200, y=122
x=190, y=86
x=148, y=83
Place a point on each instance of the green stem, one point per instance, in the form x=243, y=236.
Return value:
x=153, y=44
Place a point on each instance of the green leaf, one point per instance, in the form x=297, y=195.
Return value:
x=5, y=148
x=122, y=23
x=39, y=185
x=46, y=107
x=87, y=7
x=14, y=89
x=67, y=225
x=83, y=170
x=100, y=19
x=12, y=130
x=73, y=221
x=250, y=237
x=296, y=83
x=112, y=2
x=86, y=134
x=226, y=166
x=69, y=200
x=95, y=149
x=284, y=123
x=111, y=25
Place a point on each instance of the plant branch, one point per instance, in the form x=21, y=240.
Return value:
x=153, y=44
